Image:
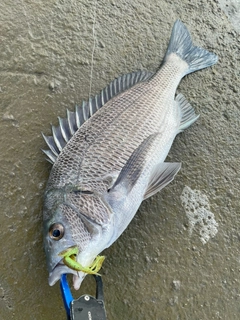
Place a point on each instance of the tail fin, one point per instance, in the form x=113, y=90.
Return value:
x=181, y=44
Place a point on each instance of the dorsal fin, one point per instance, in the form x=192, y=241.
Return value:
x=69, y=125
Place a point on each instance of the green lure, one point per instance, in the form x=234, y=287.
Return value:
x=69, y=259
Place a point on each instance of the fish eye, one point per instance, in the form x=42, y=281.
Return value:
x=56, y=231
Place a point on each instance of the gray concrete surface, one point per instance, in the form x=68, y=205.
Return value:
x=232, y=10
x=53, y=55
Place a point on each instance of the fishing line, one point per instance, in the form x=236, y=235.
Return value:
x=94, y=45
x=90, y=86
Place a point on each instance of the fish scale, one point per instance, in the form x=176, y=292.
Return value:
x=126, y=125
x=108, y=156
x=96, y=126
x=79, y=229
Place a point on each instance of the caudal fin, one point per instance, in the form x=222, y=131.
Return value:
x=181, y=44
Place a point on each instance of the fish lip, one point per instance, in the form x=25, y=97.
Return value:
x=57, y=272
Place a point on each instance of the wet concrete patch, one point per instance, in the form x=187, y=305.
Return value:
x=6, y=302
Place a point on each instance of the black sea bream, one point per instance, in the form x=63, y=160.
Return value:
x=108, y=156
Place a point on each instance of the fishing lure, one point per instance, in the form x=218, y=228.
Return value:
x=69, y=259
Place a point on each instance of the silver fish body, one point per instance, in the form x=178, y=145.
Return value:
x=108, y=155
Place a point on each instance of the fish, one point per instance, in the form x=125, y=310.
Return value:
x=109, y=155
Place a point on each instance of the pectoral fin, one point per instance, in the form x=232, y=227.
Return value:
x=139, y=179
x=135, y=165
x=163, y=174
x=139, y=161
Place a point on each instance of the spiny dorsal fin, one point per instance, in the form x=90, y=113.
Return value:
x=69, y=125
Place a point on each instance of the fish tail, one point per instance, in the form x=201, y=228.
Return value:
x=181, y=44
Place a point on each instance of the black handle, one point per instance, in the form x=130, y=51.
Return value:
x=89, y=308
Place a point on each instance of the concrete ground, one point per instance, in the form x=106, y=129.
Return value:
x=169, y=264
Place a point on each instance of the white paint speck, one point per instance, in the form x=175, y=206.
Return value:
x=200, y=218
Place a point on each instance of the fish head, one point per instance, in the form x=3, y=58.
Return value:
x=66, y=225
x=57, y=238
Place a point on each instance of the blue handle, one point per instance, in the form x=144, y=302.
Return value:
x=66, y=293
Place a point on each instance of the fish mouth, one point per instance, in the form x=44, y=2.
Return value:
x=61, y=269
x=57, y=272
